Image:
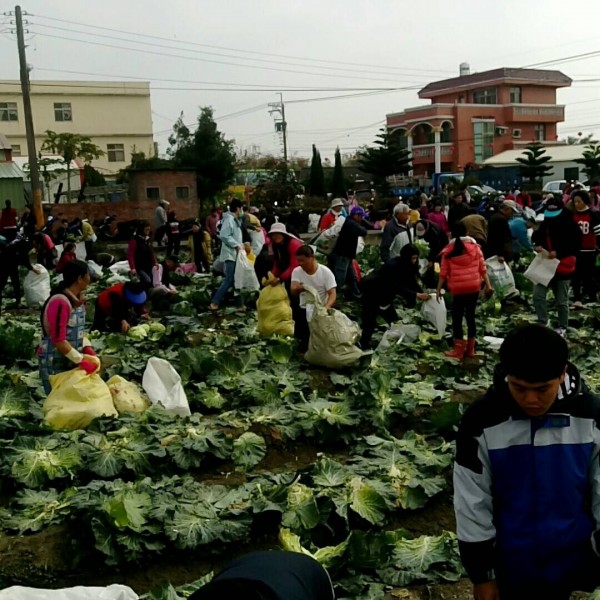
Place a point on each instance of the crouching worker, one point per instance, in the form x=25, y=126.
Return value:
x=272, y=575
x=397, y=277
x=120, y=307
x=527, y=476
x=309, y=273
x=63, y=345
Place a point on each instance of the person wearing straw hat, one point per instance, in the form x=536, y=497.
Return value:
x=330, y=217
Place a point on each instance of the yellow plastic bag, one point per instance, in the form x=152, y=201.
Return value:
x=274, y=310
x=126, y=395
x=77, y=399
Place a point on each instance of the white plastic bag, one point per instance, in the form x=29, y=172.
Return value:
x=257, y=241
x=162, y=383
x=493, y=342
x=112, y=592
x=245, y=278
x=36, y=287
x=501, y=278
x=435, y=313
x=542, y=269
x=95, y=269
x=120, y=267
x=399, y=334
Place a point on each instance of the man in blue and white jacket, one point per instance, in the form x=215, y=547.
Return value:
x=527, y=476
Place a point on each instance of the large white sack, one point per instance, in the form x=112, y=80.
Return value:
x=162, y=383
x=435, y=313
x=36, y=287
x=112, y=592
x=333, y=336
x=121, y=266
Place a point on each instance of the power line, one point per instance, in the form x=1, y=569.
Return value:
x=241, y=85
x=248, y=58
x=573, y=58
x=205, y=60
x=243, y=51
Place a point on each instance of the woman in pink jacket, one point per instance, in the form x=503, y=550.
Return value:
x=463, y=268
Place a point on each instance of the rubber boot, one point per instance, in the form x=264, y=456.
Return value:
x=458, y=351
x=470, y=352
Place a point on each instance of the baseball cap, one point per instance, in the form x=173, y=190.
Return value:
x=554, y=207
x=358, y=210
x=511, y=204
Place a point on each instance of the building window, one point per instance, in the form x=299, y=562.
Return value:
x=8, y=111
x=539, y=132
x=515, y=95
x=483, y=140
x=486, y=96
x=182, y=192
x=153, y=193
x=16, y=150
x=62, y=111
x=115, y=152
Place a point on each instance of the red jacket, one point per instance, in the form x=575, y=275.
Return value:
x=327, y=221
x=65, y=258
x=463, y=273
x=286, y=275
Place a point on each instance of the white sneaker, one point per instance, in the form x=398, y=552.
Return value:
x=562, y=332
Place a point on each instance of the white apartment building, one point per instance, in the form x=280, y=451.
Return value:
x=116, y=115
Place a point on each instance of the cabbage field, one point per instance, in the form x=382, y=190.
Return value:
x=352, y=467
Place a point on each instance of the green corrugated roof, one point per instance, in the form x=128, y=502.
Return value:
x=9, y=170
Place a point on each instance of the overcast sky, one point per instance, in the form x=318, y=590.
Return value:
x=330, y=47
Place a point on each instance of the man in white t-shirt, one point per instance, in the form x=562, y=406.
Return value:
x=311, y=274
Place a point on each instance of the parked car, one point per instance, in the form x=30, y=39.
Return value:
x=559, y=185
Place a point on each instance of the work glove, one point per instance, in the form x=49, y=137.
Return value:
x=89, y=364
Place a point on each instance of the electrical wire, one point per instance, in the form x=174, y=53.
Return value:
x=247, y=58
x=203, y=60
x=242, y=51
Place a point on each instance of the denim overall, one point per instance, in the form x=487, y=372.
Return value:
x=51, y=361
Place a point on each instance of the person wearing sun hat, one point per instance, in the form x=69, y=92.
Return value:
x=560, y=237
x=329, y=218
x=284, y=246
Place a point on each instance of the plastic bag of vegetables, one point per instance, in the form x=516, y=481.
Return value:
x=77, y=399
x=274, y=312
x=126, y=395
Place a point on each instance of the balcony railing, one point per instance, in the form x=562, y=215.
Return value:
x=428, y=150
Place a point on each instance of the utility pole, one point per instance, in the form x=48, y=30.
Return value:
x=281, y=126
x=34, y=175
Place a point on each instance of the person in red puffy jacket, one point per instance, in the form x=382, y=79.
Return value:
x=462, y=269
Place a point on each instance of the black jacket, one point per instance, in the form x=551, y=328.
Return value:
x=396, y=277
x=457, y=212
x=499, y=241
x=348, y=239
x=559, y=234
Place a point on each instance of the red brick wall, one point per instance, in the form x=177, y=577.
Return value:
x=166, y=181
x=125, y=210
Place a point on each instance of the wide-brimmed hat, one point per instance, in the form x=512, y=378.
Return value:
x=337, y=202
x=279, y=228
